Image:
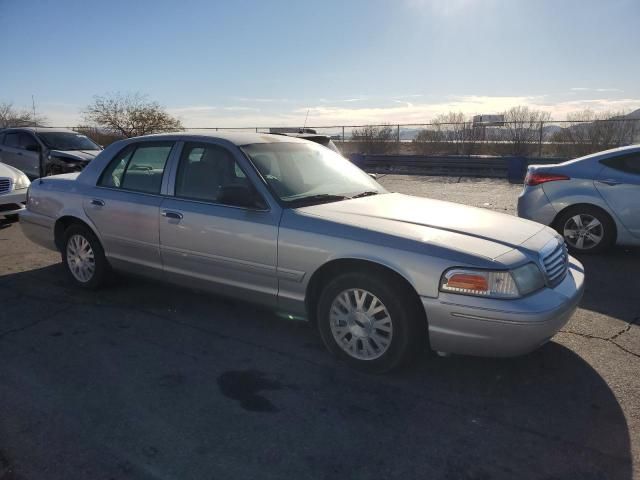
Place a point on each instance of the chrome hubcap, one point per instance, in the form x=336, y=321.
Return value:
x=583, y=231
x=80, y=258
x=360, y=324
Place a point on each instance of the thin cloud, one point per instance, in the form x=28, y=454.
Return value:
x=359, y=114
x=587, y=89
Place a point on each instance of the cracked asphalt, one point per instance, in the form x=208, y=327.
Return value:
x=147, y=381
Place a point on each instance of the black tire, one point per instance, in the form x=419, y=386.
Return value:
x=606, y=230
x=101, y=269
x=408, y=325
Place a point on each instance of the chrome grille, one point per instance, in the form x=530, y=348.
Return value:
x=5, y=185
x=555, y=260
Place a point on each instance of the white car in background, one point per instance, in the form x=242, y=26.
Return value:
x=13, y=192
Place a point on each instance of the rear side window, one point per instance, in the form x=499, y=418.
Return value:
x=138, y=168
x=624, y=163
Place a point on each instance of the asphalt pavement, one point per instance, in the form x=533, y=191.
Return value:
x=142, y=380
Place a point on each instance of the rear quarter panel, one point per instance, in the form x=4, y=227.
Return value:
x=53, y=198
x=581, y=189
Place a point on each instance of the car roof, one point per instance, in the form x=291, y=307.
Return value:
x=237, y=138
x=303, y=135
x=38, y=129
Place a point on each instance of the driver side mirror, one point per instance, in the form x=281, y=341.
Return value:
x=34, y=147
x=240, y=195
x=373, y=175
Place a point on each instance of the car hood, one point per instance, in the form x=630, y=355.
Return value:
x=77, y=155
x=476, y=231
x=9, y=171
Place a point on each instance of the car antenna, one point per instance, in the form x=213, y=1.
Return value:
x=33, y=104
x=305, y=121
x=35, y=126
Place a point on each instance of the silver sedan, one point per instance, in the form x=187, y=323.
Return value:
x=292, y=225
x=592, y=201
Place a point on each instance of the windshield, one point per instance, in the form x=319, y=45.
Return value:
x=67, y=141
x=299, y=171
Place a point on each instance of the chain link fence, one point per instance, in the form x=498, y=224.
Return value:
x=549, y=138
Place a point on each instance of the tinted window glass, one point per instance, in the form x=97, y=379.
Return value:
x=139, y=168
x=112, y=176
x=12, y=140
x=626, y=163
x=27, y=140
x=204, y=170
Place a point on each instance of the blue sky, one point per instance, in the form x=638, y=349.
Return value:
x=245, y=63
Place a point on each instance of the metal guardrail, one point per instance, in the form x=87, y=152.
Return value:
x=513, y=168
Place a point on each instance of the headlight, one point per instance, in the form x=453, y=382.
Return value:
x=493, y=284
x=22, y=182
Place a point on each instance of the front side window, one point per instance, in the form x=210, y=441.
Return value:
x=12, y=140
x=205, y=171
x=625, y=163
x=306, y=172
x=138, y=167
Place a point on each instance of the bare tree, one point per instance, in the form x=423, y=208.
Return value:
x=99, y=135
x=589, y=132
x=12, y=117
x=129, y=115
x=375, y=139
x=524, y=128
x=449, y=133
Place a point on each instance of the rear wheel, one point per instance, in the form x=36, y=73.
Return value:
x=369, y=322
x=586, y=229
x=83, y=257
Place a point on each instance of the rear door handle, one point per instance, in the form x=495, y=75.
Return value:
x=171, y=214
x=610, y=181
x=97, y=202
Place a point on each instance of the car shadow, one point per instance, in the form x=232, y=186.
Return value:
x=611, y=283
x=206, y=380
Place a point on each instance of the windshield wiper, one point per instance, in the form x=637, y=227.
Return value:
x=319, y=198
x=366, y=194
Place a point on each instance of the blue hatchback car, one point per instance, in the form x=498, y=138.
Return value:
x=592, y=201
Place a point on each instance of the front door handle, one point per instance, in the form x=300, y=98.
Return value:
x=97, y=202
x=610, y=181
x=171, y=214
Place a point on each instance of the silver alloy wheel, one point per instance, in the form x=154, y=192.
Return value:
x=583, y=231
x=360, y=324
x=80, y=258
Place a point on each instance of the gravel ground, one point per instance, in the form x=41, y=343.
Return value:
x=147, y=381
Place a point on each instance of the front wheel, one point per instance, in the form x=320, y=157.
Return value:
x=369, y=322
x=83, y=257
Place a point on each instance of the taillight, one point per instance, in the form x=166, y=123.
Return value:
x=536, y=178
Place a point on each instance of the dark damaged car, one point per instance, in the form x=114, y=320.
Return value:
x=39, y=151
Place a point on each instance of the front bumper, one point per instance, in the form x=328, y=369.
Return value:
x=13, y=203
x=488, y=327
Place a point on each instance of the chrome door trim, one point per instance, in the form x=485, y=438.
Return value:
x=246, y=265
